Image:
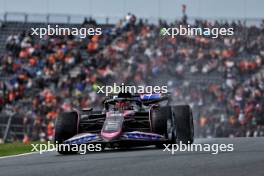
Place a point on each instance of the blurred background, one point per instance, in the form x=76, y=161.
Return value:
x=222, y=79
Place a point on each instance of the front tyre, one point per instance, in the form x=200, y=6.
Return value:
x=159, y=117
x=66, y=127
x=159, y=120
x=183, y=123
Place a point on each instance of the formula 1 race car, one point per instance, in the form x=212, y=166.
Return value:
x=126, y=121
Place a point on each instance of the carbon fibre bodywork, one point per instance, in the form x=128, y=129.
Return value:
x=115, y=126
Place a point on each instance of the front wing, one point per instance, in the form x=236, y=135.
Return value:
x=84, y=138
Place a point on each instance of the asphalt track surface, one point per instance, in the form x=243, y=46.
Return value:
x=247, y=159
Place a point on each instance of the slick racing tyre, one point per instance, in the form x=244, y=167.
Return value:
x=183, y=121
x=65, y=128
x=159, y=116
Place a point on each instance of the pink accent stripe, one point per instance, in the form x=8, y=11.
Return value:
x=110, y=135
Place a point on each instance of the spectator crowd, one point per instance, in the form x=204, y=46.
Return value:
x=222, y=79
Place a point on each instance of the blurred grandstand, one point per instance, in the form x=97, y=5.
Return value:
x=222, y=79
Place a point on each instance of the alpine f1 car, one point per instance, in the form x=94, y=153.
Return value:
x=126, y=121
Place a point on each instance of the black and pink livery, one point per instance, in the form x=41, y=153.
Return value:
x=127, y=120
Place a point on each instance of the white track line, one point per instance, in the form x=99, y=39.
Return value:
x=24, y=154
x=12, y=156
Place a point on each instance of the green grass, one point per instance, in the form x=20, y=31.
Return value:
x=16, y=148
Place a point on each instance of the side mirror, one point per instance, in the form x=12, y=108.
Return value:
x=87, y=109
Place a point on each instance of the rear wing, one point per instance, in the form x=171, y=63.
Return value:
x=146, y=99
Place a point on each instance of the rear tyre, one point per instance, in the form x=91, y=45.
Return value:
x=183, y=121
x=65, y=128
